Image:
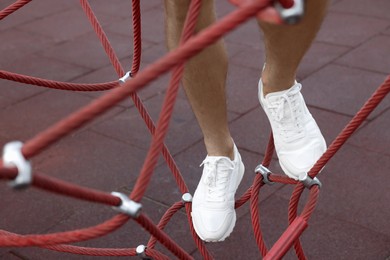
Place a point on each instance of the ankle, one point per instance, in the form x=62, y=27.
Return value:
x=276, y=86
x=275, y=81
x=220, y=147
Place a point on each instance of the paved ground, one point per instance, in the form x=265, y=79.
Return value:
x=53, y=40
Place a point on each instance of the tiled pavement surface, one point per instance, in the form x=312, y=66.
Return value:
x=53, y=40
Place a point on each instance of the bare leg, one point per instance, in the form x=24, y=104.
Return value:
x=205, y=88
x=286, y=45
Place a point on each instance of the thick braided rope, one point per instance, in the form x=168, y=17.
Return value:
x=65, y=237
x=56, y=84
x=136, y=37
x=292, y=214
x=255, y=214
x=255, y=189
x=97, y=251
x=12, y=8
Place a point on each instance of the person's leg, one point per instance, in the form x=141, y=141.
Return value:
x=286, y=45
x=213, y=214
x=204, y=78
x=297, y=137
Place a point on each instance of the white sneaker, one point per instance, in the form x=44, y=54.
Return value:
x=297, y=137
x=213, y=214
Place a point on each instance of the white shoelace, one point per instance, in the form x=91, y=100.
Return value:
x=216, y=178
x=287, y=112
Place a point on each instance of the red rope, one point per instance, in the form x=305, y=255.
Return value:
x=12, y=8
x=57, y=84
x=255, y=214
x=68, y=189
x=137, y=43
x=97, y=251
x=64, y=237
x=292, y=214
x=93, y=251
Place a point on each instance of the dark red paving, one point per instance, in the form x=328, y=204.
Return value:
x=53, y=40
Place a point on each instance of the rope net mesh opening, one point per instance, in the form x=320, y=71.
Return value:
x=173, y=62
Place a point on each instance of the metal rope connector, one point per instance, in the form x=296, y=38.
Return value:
x=308, y=182
x=186, y=198
x=13, y=157
x=140, y=250
x=127, y=206
x=265, y=173
x=126, y=77
x=293, y=14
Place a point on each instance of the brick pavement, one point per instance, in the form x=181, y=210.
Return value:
x=53, y=40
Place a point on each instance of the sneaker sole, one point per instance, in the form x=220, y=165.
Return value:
x=231, y=227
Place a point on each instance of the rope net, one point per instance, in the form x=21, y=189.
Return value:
x=174, y=61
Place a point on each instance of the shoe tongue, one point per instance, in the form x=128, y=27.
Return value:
x=220, y=162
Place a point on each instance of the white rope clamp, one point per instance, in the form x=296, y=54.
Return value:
x=186, y=198
x=127, y=206
x=140, y=250
x=127, y=76
x=265, y=172
x=13, y=157
x=308, y=182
